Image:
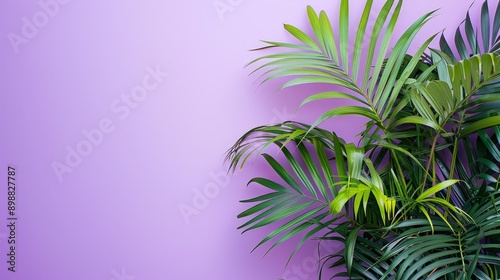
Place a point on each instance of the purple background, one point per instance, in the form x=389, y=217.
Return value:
x=116, y=215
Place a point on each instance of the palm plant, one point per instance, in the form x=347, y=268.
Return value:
x=418, y=196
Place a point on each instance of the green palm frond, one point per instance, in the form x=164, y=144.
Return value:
x=418, y=197
x=420, y=252
x=362, y=187
x=438, y=102
x=467, y=41
x=319, y=59
x=257, y=139
x=300, y=202
x=414, y=250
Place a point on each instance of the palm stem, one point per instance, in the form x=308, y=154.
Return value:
x=431, y=157
x=454, y=159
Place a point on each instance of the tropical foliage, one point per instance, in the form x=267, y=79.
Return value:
x=418, y=196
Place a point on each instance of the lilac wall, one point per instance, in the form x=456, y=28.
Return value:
x=158, y=87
